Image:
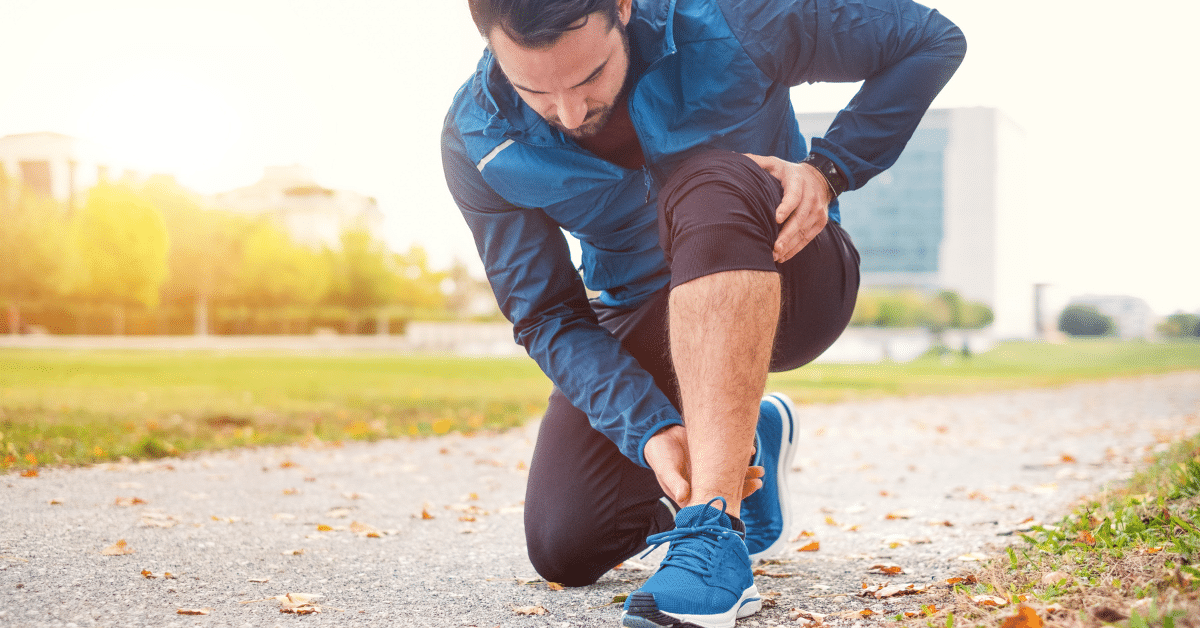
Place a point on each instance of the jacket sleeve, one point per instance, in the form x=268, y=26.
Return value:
x=902, y=51
x=529, y=267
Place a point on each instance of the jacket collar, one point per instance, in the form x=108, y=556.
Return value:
x=651, y=38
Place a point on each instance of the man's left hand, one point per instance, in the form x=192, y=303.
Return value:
x=804, y=209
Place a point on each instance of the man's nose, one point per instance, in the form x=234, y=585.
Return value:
x=572, y=110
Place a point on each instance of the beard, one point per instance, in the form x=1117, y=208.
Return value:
x=597, y=116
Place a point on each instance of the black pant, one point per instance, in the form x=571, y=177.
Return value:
x=588, y=507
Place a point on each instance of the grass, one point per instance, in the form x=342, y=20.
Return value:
x=78, y=407
x=1125, y=558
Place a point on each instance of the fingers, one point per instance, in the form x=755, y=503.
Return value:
x=803, y=226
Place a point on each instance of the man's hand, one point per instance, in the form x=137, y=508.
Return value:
x=804, y=209
x=667, y=454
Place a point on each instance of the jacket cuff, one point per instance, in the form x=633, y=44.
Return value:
x=641, y=449
x=851, y=182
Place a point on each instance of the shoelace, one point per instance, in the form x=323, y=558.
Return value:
x=694, y=557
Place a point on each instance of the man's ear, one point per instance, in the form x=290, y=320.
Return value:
x=624, y=11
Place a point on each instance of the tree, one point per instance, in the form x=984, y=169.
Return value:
x=1180, y=325
x=362, y=275
x=33, y=248
x=205, y=245
x=122, y=250
x=274, y=271
x=1085, y=320
x=418, y=287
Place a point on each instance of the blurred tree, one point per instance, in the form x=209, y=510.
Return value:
x=1085, y=320
x=362, y=275
x=205, y=248
x=1180, y=325
x=468, y=296
x=122, y=248
x=913, y=308
x=275, y=272
x=34, y=262
x=418, y=287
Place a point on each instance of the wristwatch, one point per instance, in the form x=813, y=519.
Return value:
x=834, y=177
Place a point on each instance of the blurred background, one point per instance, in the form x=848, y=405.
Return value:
x=226, y=169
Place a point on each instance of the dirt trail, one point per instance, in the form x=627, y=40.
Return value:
x=247, y=525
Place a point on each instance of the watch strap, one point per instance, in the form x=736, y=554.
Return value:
x=833, y=176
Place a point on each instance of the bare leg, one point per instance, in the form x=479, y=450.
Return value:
x=722, y=328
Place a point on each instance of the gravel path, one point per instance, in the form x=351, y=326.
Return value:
x=240, y=526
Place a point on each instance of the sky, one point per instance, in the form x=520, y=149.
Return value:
x=214, y=90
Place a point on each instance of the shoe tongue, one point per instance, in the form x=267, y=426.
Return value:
x=700, y=515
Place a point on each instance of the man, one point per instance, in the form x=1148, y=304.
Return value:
x=660, y=134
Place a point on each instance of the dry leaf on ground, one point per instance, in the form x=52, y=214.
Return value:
x=298, y=603
x=530, y=610
x=120, y=548
x=193, y=611
x=903, y=513
x=989, y=600
x=363, y=529
x=811, y=547
x=772, y=574
x=554, y=586
x=887, y=569
x=1026, y=617
x=973, y=556
x=129, y=501
x=896, y=590
x=803, y=534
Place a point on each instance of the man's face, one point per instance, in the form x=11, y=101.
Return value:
x=574, y=83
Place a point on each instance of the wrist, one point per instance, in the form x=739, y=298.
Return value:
x=833, y=175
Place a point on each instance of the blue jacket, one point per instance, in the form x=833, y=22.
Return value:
x=710, y=74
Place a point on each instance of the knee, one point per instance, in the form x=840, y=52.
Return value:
x=564, y=551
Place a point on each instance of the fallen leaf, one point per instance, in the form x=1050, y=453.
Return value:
x=829, y=521
x=988, y=600
x=897, y=590
x=887, y=569
x=1067, y=459
x=129, y=501
x=804, y=534
x=811, y=547
x=772, y=574
x=258, y=580
x=1025, y=618
x=159, y=520
x=291, y=491
x=971, y=579
x=811, y=618
x=1055, y=577
x=56, y=502
x=554, y=586
x=324, y=528
x=147, y=574
x=293, y=552
x=866, y=612
x=193, y=611
x=903, y=513
x=363, y=529
x=530, y=610
x=287, y=464
x=973, y=556
x=1153, y=550
x=29, y=473
x=424, y=514
x=120, y=548
x=1109, y=615
x=467, y=518
x=1086, y=538
x=929, y=609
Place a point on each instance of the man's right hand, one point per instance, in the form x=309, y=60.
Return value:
x=667, y=454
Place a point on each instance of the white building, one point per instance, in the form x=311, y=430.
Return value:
x=948, y=215
x=53, y=164
x=1131, y=315
x=312, y=214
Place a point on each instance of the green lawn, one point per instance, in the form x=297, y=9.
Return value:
x=80, y=407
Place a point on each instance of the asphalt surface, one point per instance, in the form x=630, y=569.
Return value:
x=236, y=529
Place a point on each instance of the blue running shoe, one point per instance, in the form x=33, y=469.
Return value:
x=766, y=513
x=704, y=582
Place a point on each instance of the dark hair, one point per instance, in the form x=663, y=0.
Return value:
x=537, y=23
